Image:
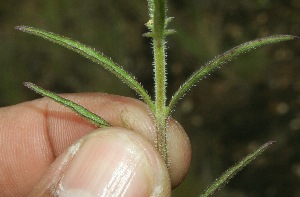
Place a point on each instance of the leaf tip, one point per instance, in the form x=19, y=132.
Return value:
x=296, y=37
x=292, y=37
x=21, y=27
x=29, y=85
x=267, y=144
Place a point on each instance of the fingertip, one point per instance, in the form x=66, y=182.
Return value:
x=179, y=152
x=112, y=161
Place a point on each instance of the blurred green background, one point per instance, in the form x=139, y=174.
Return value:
x=251, y=100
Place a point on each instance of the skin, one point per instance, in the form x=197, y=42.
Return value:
x=48, y=150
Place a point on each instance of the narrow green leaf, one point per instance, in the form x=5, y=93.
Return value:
x=94, y=56
x=90, y=116
x=230, y=173
x=221, y=59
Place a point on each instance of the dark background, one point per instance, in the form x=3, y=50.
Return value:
x=251, y=100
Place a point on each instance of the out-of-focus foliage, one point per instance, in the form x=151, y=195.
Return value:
x=254, y=99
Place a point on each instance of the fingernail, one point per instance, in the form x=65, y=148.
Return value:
x=109, y=164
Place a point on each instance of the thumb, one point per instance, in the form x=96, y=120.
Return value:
x=108, y=162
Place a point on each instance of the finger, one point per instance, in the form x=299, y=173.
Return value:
x=33, y=134
x=108, y=162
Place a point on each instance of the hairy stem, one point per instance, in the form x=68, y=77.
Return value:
x=160, y=76
x=160, y=95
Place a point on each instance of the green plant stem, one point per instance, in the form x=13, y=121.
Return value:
x=160, y=76
x=160, y=96
x=159, y=17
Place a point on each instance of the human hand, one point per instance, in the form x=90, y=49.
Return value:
x=118, y=161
